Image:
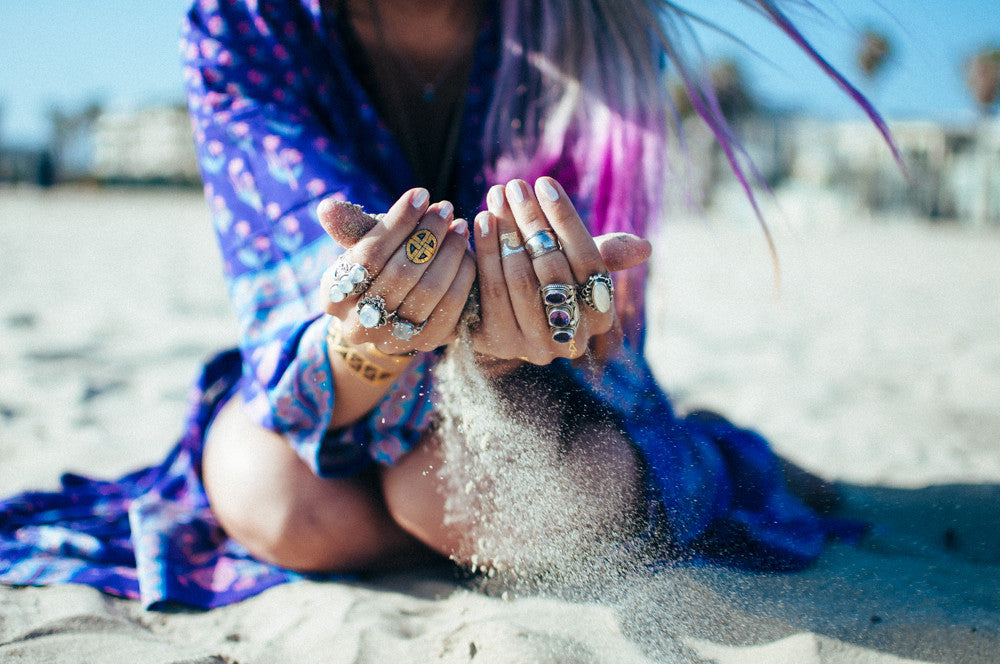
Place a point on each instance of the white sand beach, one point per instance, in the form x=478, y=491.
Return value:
x=877, y=365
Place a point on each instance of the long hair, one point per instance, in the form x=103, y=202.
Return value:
x=581, y=94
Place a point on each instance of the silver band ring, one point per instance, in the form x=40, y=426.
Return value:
x=541, y=243
x=598, y=292
x=510, y=243
x=371, y=312
x=349, y=279
x=403, y=329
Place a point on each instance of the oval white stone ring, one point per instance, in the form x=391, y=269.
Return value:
x=371, y=312
x=403, y=329
x=350, y=279
x=598, y=292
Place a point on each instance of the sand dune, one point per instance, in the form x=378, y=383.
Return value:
x=877, y=365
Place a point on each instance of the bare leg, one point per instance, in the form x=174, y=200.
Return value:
x=266, y=498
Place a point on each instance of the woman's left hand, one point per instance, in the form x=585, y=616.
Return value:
x=517, y=323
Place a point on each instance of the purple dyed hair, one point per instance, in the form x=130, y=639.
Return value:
x=581, y=95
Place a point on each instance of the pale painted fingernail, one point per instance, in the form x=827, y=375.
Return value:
x=494, y=199
x=445, y=210
x=460, y=226
x=514, y=191
x=420, y=197
x=547, y=189
x=483, y=221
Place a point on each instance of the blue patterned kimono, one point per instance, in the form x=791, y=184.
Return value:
x=281, y=122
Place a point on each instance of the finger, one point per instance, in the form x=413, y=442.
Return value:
x=552, y=267
x=344, y=222
x=423, y=298
x=441, y=326
x=496, y=310
x=582, y=254
x=347, y=223
x=374, y=247
x=622, y=251
x=577, y=244
x=411, y=255
x=520, y=280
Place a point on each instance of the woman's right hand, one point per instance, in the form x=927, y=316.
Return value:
x=427, y=288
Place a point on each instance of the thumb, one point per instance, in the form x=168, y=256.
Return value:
x=622, y=251
x=344, y=222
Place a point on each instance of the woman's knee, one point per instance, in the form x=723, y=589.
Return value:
x=268, y=500
x=415, y=499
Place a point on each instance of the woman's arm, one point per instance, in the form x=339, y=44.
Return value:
x=268, y=152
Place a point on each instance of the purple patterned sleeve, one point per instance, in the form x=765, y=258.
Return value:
x=270, y=146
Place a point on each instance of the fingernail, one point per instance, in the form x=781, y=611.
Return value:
x=514, y=191
x=547, y=189
x=420, y=197
x=483, y=221
x=494, y=199
x=445, y=210
x=460, y=226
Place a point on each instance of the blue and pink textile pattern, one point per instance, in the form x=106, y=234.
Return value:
x=281, y=122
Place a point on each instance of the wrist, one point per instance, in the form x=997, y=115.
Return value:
x=365, y=361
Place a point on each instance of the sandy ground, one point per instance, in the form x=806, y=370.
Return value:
x=877, y=364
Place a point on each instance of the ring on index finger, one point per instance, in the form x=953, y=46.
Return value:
x=349, y=279
x=541, y=243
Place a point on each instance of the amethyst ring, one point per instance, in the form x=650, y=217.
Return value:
x=561, y=311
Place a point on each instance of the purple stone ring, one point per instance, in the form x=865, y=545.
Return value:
x=561, y=311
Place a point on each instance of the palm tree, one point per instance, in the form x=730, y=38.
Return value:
x=982, y=77
x=874, y=51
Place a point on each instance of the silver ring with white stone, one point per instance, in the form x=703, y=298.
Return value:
x=371, y=312
x=349, y=279
x=598, y=292
x=403, y=329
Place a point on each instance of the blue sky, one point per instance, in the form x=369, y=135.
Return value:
x=124, y=53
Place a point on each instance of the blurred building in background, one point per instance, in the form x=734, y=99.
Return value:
x=148, y=146
x=152, y=145
x=953, y=173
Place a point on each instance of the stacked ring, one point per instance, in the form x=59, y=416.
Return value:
x=350, y=279
x=371, y=312
x=598, y=292
x=403, y=329
x=561, y=311
x=541, y=243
